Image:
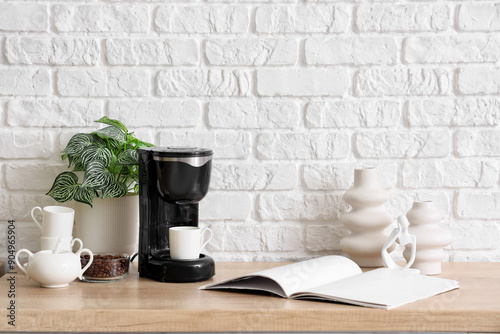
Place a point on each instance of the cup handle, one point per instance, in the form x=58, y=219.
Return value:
x=33, y=216
x=79, y=241
x=209, y=237
x=19, y=264
x=85, y=250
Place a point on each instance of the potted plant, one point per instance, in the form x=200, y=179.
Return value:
x=106, y=201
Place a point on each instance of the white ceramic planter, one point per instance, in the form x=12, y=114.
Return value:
x=110, y=226
x=367, y=220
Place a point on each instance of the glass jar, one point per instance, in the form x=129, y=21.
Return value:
x=106, y=267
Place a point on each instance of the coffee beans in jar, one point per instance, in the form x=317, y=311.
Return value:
x=106, y=267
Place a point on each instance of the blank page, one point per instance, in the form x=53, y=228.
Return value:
x=385, y=287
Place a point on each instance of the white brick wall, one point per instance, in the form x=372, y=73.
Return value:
x=291, y=95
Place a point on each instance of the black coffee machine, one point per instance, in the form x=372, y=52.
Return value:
x=172, y=180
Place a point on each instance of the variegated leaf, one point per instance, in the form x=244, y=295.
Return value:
x=64, y=188
x=115, y=145
x=114, y=122
x=102, y=181
x=94, y=152
x=131, y=172
x=77, y=143
x=128, y=157
x=112, y=132
x=115, y=189
x=96, y=175
x=73, y=160
x=85, y=195
x=76, y=161
x=100, y=141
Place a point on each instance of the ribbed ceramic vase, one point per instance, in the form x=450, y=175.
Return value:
x=367, y=220
x=110, y=226
x=424, y=220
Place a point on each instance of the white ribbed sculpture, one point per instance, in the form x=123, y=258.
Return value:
x=424, y=220
x=367, y=220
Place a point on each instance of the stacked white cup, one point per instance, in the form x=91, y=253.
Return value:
x=57, y=224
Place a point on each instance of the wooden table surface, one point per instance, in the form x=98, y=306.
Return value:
x=138, y=304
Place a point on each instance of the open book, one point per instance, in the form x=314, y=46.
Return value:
x=339, y=279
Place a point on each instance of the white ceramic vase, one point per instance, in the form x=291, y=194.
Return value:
x=367, y=220
x=424, y=220
x=110, y=226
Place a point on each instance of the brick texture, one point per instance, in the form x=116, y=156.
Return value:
x=290, y=95
x=98, y=18
x=142, y=51
x=479, y=17
x=202, y=19
x=53, y=51
x=302, y=19
x=306, y=82
x=24, y=17
x=25, y=82
x=403, y=18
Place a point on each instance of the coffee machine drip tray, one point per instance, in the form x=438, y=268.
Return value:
x=165, y=269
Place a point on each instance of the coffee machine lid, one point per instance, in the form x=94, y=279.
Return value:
x=177, y=152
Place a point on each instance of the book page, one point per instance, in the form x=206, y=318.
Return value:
x=251, y=282
x=304, y=275
x=385, y=288
x=294, y=277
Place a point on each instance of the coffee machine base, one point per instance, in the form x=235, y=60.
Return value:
x=174, y=271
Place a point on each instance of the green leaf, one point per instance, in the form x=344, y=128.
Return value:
x=116, y=146
x=76, y=161
x=64, y=188
x=114, y=122
x=116, y=189
x=73, y=160
x=97, y=176
x=129, y=171
x=95, y=152
x=137, y=143
x=77, y=144
x=100, y=141
x=115, y=169
x=128, y=157
x=112, y=132
x=136, y=188
x=85, y=195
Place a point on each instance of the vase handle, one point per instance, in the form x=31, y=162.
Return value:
x=88, y=251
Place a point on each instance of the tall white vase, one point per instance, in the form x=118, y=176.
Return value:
x=110, y=226
x=424, y=220
x=367, y=220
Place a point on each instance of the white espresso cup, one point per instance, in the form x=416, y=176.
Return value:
x=185, y=242
x=67, y=242
x=57, y=221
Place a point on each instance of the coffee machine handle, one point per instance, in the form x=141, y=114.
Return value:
x=19, y=265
